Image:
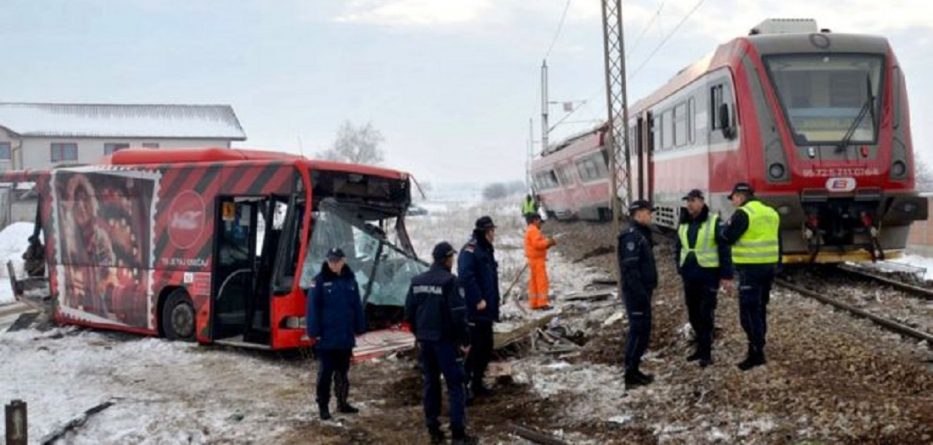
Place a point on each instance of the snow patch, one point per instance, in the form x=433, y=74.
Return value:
x=14, y=239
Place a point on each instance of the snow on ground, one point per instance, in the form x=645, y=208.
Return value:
x=918, y=261
x=163, y=392
x=14, y=239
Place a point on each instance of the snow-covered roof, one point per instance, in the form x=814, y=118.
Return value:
x=121, y=120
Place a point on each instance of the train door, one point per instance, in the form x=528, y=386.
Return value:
x=639, y=154
x=649, y=144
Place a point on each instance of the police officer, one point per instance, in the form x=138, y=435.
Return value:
x=754, y=233
x=529, y=206
x=436, y=311
x=334, y=318
x=479, y=276
x=702, y=263
x=639, y=279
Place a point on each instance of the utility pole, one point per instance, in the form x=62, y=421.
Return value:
x=617, y=107
x=531, y=154
x=544, y=106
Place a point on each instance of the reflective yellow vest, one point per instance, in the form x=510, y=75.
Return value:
x=759, y=243
x=528, y=207
x=705, y=247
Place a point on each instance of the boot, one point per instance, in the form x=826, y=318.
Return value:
x=756, y=357
x=460, y=437
x=695, y=356
x=633, y=380
x=437, y=436
x=647, y=378
x=706, y=361
x=324, y=411
x=346, y=408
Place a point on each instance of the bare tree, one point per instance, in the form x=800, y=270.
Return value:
x=356, y=144
x=923, y=175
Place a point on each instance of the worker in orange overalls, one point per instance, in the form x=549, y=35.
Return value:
x=536, y=246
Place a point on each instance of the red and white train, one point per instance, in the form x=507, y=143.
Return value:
x=818, y=124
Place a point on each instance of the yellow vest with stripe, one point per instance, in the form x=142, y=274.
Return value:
x=759, y=243
x=705, y=247
x=528, y=207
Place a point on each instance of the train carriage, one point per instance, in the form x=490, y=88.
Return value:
x=818, y=123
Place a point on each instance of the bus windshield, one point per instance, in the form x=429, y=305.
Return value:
x=828, y=98
x=383, y=271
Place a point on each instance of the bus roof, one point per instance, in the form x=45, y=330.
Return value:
x=138, y=156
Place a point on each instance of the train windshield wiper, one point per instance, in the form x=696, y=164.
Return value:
x=867, y=107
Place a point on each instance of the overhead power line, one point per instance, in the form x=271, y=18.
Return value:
x=665, y=39
x=560, y=26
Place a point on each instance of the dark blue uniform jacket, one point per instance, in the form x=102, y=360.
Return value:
x=479, y=276
x=435, y=307
x=335, y=310
x=636, y=259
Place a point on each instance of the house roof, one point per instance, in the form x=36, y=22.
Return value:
x=121, y=120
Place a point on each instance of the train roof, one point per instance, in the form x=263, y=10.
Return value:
x=764, y=44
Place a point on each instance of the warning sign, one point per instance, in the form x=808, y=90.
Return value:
x=228, y=211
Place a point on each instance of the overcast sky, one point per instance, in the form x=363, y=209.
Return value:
x=450, y=83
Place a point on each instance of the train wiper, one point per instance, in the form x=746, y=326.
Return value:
x=867, y=107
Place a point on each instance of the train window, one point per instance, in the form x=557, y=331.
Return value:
x=691, y=120
x=715, y=100
x=680, y=124
x=667, y=130
x=829, y=99
x=592, y=167
x=565, y=176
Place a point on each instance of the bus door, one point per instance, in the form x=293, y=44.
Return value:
x=239, y=237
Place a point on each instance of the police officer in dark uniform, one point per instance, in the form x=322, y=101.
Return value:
x=702, y=263
x=639, y=279
x=436, y=311
x=334, y=318
x=754, y=233
x=479, y=276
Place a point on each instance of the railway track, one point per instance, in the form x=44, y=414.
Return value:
x=886, y=323
x=918, y=291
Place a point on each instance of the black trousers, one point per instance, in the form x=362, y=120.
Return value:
x=700, y=293
x=334, y=366
x=480, y=352
x=437, y=358
x=755, y=283
x=638, y=310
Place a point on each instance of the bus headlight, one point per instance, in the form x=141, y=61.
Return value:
x=293, y=323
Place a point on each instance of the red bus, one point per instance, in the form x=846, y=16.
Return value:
x=217, y=245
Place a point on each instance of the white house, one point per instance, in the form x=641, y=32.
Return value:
x=39, y=135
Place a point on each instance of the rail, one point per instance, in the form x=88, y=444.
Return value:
x=907, y=287
x=881, y=321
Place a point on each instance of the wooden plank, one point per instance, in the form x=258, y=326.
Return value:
x=502, y=339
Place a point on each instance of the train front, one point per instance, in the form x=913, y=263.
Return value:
x=836, y=153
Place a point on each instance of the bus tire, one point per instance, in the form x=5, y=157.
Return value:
x=178, y=317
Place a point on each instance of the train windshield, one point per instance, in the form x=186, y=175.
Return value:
x=829, y=99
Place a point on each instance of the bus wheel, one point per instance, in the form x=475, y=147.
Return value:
x=178, y=318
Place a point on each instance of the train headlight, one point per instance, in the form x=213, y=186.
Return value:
x=899, y=168
x=784, y=210
x=910, y=207
x=776, y=171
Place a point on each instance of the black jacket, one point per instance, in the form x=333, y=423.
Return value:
x=435, y=308
x=636, y=261
x=691, y=268
x=479, y=276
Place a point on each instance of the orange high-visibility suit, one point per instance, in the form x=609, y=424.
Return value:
x=536, y=246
